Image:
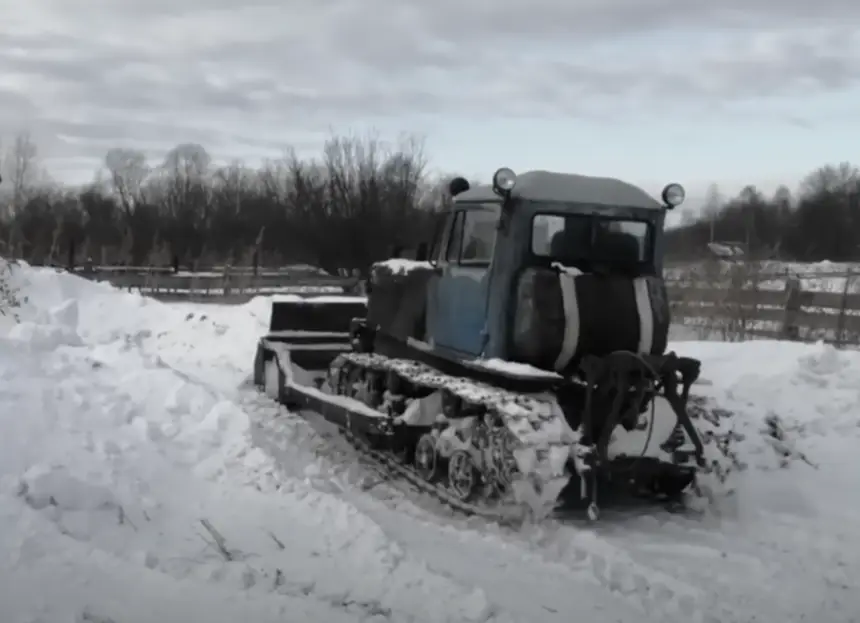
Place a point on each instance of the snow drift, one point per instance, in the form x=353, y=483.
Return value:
x=133, y=487
x=131, y=490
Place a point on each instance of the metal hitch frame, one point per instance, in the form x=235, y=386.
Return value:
x=623, y=380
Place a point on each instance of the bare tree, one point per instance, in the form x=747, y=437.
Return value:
x=834, y=179
x=713, y=204
x=185, y=198
x=782, y=202
x=21, y=169
x=128, y=171
x=188, y=161
x=231, y=187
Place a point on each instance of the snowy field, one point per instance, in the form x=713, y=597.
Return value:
x=142, y=481
x=822, y=276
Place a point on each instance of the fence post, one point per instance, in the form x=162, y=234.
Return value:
x=843, y=306
x=227, y=279
x=793, y=303
x=736, y=320
x=147, y=281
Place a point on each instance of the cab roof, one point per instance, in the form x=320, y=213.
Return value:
x=568, y=188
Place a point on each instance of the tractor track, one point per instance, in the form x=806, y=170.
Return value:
x=328, y=441
x=369, y=478
x=517, y=412
x=506, y=511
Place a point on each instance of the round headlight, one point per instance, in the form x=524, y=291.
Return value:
x=674, y=195
x=504, y=180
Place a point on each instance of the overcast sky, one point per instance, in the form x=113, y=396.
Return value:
x=732, y=91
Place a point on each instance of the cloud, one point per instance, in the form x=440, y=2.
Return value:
x=84, y=75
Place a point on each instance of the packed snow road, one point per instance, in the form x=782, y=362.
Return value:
x=142, y=480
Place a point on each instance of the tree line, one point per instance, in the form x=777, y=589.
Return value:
x=341, y=211
x=821, y=221
x=357, y=202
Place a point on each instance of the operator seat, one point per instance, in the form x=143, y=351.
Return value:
x=568, y=244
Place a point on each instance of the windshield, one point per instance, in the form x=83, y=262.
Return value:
x=572, y=239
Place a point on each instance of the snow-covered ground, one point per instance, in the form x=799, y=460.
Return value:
x=825, y=276
x=142, y=481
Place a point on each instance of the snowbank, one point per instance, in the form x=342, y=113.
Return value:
x=797, y=407
x=813, y=389
x=130, y=489
x=134, y=486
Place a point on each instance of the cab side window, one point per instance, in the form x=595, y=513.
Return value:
x=455, y=238
x=479, y=234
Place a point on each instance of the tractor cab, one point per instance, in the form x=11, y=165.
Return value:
x=574, y=220
x=501, y=248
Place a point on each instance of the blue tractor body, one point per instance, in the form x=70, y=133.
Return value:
x=525, y=346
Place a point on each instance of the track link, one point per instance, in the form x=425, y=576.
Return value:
x=502, y=514
x=542, y=438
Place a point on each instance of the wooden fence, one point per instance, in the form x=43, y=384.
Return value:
x=231, y=286
x=743, y=303
x=727, y=302
x=197, y=270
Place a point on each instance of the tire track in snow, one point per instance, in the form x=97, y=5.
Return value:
x=332, y=465
x=672, y=566
x=746, y=564
x=597, y=563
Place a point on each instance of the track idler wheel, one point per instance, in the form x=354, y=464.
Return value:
x=464, y=480
x=426, y=458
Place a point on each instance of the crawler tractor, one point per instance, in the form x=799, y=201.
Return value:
x=519, y=361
